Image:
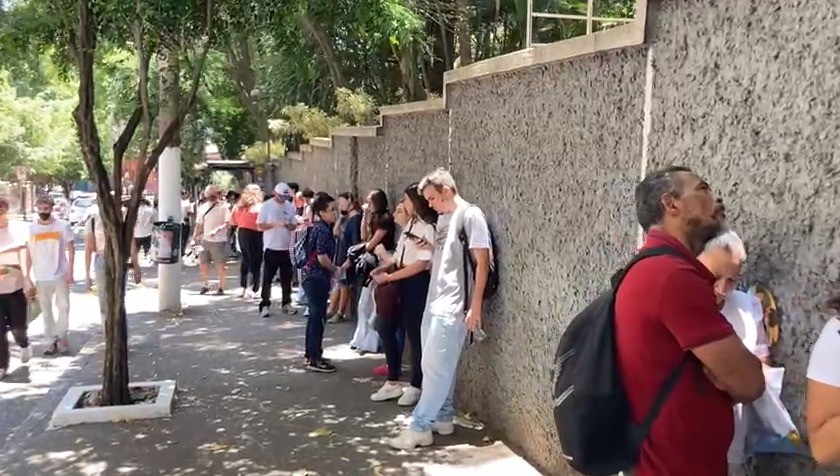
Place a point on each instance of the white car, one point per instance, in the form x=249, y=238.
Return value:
x=80, y=209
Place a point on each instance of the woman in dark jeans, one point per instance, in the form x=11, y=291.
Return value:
x=316, y=278
x=244, y=219
x=409, y=268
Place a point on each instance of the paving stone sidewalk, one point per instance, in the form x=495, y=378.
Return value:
x=245, y=406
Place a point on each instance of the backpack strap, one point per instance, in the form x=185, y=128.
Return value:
x=640, y=432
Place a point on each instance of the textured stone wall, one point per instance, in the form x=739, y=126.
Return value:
x=746, y=93
x=321, y=168
x=552, y=155
x=407, y=147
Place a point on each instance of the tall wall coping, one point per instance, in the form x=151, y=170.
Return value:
x=325, y=142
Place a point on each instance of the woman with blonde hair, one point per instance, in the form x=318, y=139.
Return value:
x=244, y=218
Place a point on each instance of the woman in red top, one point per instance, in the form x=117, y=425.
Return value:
x=244, y=217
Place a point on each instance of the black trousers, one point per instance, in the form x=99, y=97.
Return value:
x=251, y=244
x=13, y=310
x=413, y=292
x=274, y=261
x=185, y=237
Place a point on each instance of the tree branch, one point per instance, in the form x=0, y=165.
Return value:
x=121, y=145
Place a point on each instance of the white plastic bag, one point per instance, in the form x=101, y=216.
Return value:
x=769, y=409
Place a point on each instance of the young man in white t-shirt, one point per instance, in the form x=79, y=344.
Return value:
x=449, y=316
x=50, y=256
x=144, y=227
x=211, y=229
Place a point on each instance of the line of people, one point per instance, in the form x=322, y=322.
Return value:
x=411, y=282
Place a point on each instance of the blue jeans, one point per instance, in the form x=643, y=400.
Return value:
x=317, y=292
x=443, y=340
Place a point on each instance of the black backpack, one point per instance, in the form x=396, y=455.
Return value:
x=492, y=276
x=591, y=408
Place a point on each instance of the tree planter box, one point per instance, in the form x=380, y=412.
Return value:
x=67, y=413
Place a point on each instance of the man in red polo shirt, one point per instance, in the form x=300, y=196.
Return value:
x=666, y=310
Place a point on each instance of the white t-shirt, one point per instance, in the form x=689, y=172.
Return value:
x=213, y=218
x=744, y=312
x=48, y=249
x=13, y=235
x=145, y=222
x=824, y=366
x=446, y=290
x=186, y=208
x=408, y=251
x=272, y=211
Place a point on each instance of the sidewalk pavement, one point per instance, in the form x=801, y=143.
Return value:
x=245, y=405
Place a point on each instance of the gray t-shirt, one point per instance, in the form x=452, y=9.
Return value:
x=446, y=291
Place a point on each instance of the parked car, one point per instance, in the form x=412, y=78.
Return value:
x=80, y=209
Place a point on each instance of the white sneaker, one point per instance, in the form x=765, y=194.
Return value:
x=289, y=309
x=265, y=313
x=410, y=439
x=410, y=397
x=443, y=427
x=389, y=391
x=25, y=354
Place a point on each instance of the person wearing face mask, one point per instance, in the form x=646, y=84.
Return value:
x=49, y=258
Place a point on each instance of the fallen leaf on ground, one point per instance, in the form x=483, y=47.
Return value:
x=321, y=432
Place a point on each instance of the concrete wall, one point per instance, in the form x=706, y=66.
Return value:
x=744, y=92
x=552, y=155
x=321, y=168
x=407, y=147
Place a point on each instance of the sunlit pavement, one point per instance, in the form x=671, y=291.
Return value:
x=245, y=404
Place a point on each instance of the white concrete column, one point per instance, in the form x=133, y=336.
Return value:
x=169, y=197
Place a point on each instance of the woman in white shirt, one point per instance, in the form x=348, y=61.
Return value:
x=408, y=267
x=823, y=406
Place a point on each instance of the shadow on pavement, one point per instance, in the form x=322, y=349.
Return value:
x=245, y=405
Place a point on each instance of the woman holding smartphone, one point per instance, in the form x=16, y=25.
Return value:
x=409, y=268
x=377, y=229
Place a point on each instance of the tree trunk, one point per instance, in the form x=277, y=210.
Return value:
x=464, y=40
x=409, y=75
x=441, y=59
x=115, y=377
x=170, y=92
x=323, y=42
x=241, y=70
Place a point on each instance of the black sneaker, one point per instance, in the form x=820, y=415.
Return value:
x=321, y=367
x=204, y=290
x=52, y=349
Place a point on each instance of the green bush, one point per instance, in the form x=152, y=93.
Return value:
x=354, y=108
